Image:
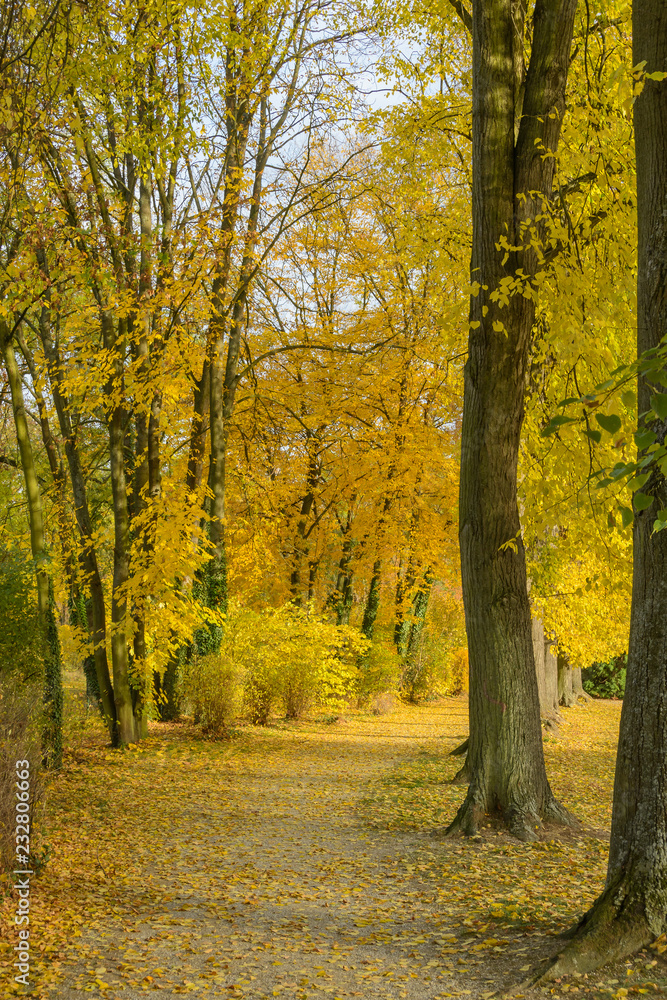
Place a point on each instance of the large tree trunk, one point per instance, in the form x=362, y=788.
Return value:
x=632, y=910
x=505, y=757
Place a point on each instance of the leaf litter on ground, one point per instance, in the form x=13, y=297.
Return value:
x=307, y=860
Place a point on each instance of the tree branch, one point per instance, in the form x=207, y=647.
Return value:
x=463, y=14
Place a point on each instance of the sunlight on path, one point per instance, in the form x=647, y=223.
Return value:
x=300, y=860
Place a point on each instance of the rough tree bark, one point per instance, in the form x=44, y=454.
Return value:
x=545, y=669
x=566, y=695
x=632, y=909
x=516, y=115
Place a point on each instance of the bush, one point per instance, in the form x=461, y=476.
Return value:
x=20, y=638
x=287, y=657
x=298, y=659
x=20, y=728
x=379, y=671
x=215, y=692
x=605, y=680
x=436, y=670
x=459, y=670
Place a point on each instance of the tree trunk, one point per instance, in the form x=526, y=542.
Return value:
x=419, y=609
x=53, y=691
x=537, y=630
x=577, y=686
x=300, y=548
x=406, y=581
x=224, y=382
x=566, y=695
x=343, y=593
x=632, y=910
x=121, y=549
x=505, y=756
x=546, y=671
x=372, y=601
x=83, y=518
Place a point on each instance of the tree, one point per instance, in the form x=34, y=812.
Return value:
x=53, y=691
x=632, y=909
x=517, y=115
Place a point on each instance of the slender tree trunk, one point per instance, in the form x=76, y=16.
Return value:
x=344, y=585
x=419, y=609
x=167, y=686
x=405, y=582
x=632, y=910
x=505, y=756
x=412, y=679
x=84, y=521
x=53, y=691
x=300, y=544
x=341, y=598
x=121, y=551
x=372, y=601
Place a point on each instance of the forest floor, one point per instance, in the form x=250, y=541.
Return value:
x=307, y=859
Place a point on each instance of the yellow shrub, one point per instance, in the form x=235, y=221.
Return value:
x=214, y=688
x=459, y=670
x=287, y=656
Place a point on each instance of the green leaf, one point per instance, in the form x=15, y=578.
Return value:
x=569, y=400
x=627, y=517
x=610, y=423
x=642, y=501
x=644, y=438
x=629, y=399
x=637, y=482
x=659, y=404
x=622, y=469
x=557, y=422
x=593, y=435
x=603, y=482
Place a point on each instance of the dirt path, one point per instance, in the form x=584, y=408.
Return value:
x=301, y=861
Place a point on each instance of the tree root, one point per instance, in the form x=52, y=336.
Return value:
x=462, y=776
x=461, y=749
x=609, y=932
x=522, y=823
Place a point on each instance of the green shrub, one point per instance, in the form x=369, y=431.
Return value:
x=21, y=653
x=605, y=680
